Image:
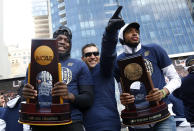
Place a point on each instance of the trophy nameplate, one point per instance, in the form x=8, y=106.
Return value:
x=43, y=72
x=134, y=76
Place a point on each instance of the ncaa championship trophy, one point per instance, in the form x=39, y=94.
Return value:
x=43, y=72
x=135, y=77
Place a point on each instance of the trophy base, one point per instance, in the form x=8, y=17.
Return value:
x=146, y=116
x=58, y=114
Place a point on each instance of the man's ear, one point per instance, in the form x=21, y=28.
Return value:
x=83, y=58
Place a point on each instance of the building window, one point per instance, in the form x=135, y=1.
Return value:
x=93, y=33
x=91, y=23
x=83, y=33
x=153, y=35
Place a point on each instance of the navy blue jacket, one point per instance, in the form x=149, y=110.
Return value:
x=103, y=115
x=1, y=112
x=156, y=59
x=11, y=117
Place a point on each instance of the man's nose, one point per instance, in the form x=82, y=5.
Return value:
x=60, y=43
x=135, y=33
x=92, y=56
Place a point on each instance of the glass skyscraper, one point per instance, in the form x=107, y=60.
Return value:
x=164, y=22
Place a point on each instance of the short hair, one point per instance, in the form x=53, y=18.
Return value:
x=88, y=45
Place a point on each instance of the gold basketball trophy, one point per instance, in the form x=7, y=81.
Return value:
x=134, y=76
x=43, y=72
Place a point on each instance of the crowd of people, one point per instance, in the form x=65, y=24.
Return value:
x=90, y=90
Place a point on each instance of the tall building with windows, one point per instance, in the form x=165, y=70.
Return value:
x=58, y=13
x=19, y=60
x=41, y=15
x=164, y=22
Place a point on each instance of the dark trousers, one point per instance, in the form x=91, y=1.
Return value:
x=75, y=126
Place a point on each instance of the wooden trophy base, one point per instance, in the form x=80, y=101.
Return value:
x=58, y=114
x=146, y=116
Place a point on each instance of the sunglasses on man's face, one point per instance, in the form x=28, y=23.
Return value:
x=88, y=54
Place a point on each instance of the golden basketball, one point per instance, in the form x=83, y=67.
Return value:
x=43, y=55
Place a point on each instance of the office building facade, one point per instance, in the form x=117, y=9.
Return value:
x=164, y=22
x=19, y=61
x=41, y=16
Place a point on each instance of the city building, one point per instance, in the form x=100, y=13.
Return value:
x=19, y=60
x=41, y=15
x=165, y=22
x=58, y=13
x=5, y=66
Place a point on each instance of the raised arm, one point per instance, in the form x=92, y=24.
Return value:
x=109, y=41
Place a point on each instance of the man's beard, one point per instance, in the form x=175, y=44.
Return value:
x=132, y=45
x=64, y=56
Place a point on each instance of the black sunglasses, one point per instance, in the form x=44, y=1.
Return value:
x=88, y=54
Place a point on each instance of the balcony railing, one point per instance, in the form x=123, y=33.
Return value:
x=60, y=1
x=63, y=21
x=61, y=6
x=62, y=12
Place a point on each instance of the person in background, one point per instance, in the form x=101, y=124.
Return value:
x=103, y=115
x=2, y=105
x=11, y=114
x=186, y=91
x=2, y=100
x=159, y=65
x=77, y=88
x=2, y=110
x=177, y=108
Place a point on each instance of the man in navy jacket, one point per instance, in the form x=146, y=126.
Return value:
x=103, y=115
x=186, y=91
x=158, y=64
x=76, y=85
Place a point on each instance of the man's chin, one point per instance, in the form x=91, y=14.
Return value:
x=92, y=65
x=133, y=45
x=63, y=55
x=61, y=51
